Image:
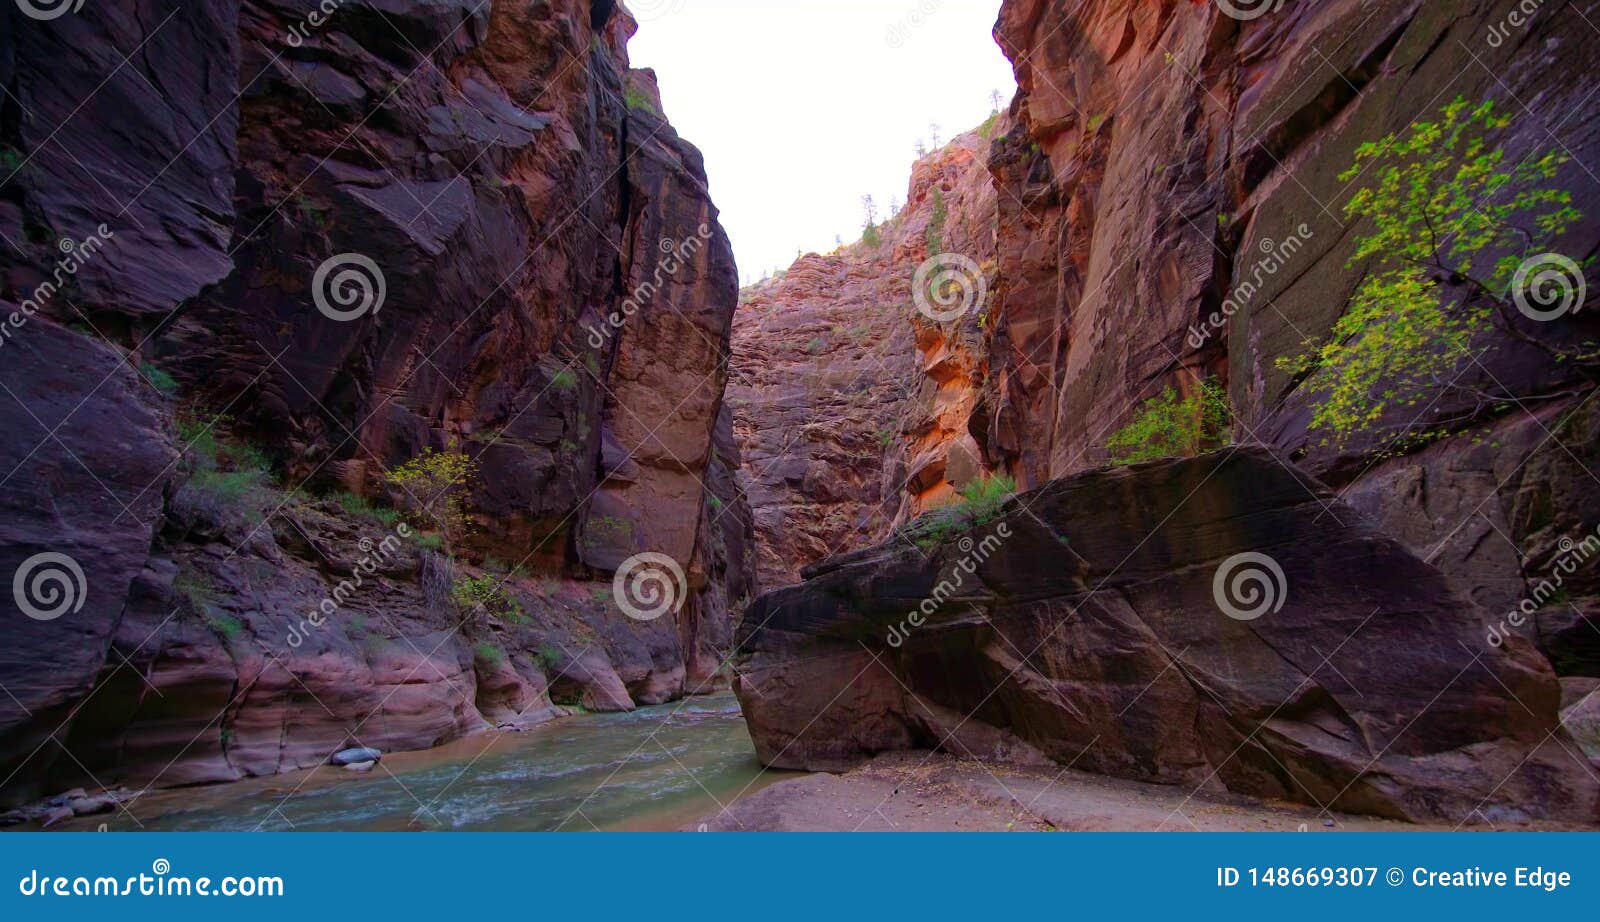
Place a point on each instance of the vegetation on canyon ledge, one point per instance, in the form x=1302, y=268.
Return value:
x=977, y=504
x=1171, y=425
x=1449, y=226
x=433, y=483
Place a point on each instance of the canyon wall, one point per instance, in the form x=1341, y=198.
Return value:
x=1165, y=203
x=853, y=406
x=261, y=257
x=1170, y=194
x=1166, y=149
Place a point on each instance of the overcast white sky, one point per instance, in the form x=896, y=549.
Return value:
x=803, y=106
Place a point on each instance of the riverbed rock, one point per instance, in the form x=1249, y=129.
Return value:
x=1580, y=713
x=93, y=806
x=55, y=816
x=1085, y=623
x=355, y=756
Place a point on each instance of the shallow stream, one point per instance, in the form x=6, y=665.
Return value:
x=662, y=767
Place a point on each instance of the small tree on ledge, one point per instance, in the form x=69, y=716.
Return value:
x=1172, y=426
x=1441, y=203
x=434, y=484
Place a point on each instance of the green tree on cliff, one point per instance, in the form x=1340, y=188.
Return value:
x=1450, y=224
x=1173, y=426
x=435, y=484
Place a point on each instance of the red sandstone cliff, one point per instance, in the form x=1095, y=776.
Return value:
x=853, y=408
x=1163, y=146
x=330, y=246
x=1155, y=151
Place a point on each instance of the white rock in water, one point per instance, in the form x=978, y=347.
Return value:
x=91, y=806
x=360, y=766
x=351, y=756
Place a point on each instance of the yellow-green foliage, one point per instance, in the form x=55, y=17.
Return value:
x=1440, y=206
x=638, y=99
x=434, y=483
x=1173, y=426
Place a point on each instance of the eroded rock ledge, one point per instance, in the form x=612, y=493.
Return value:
x=1091, y=636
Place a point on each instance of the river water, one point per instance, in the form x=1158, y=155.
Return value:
x=663, y=767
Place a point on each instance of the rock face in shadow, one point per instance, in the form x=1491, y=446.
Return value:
x=1085, y=625
x=333, y=244
x=1170, y=163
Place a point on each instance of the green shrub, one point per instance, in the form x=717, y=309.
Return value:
x=226, y=625
x=434, y=484
x=638, y=99
x=872, y=237
x=602, y=530
x=981, y=499
x=564, y=380
x=200, y=439
x=361, y=507
x=197, y=589
x=159, y=379
x=12, y=163
x=979, y=503
x=226, y=474
x=489, y=653
x=485, y=593
x=232, y=486
x=1171, y=426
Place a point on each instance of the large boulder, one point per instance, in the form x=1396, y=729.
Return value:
x=1217, y=622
